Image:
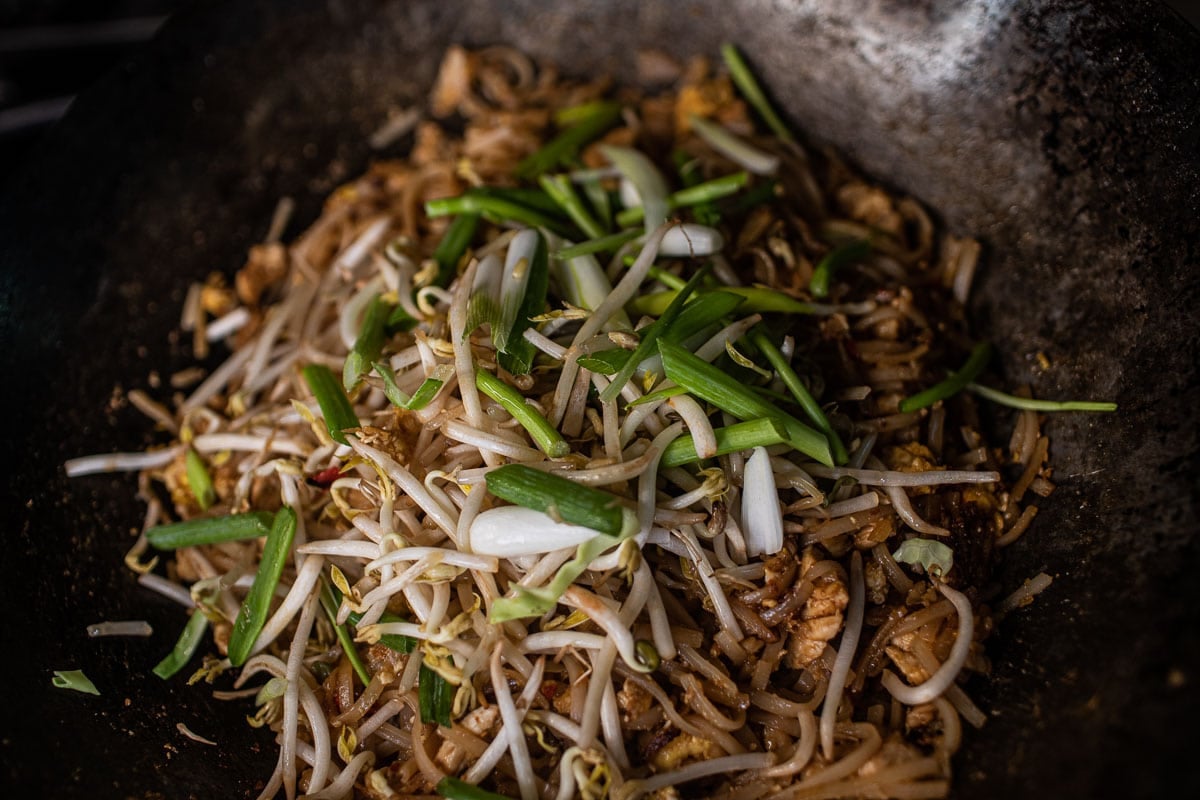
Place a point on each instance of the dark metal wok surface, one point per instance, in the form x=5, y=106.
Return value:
x=1065, y=135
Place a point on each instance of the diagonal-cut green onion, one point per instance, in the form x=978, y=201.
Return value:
x=589, y=122
x=185, y=647
x=536, y=199
x=253, y=615
x=645, y=177
x=424, y=394
x=335, y=406
x=497, y=209
x=558, y=497
x=393, y=641
x=606, y=362
x=330, y=603
x=517, y=353
x=734, y=438
x=649, y=339
x=747, y=84
x=712, y=385
x=689, y=174
x=573, y=115
x=600, y=200
x=755, y=299
x=562, y=192
x=733, y=147
x=75, y=680
x=454, y=244
x=199, y=480
x=953, y=384
x=704, y=192
x=455, y=789
x=369, y=344
x=799, y=391
x=435, y=697
x=659, y=396
x=603, y=244
x=193, y=532
x=841, y=256
x=548, y=439
x=670, y=280
x=1029, y=404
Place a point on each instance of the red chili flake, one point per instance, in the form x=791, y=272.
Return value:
x=325, y=477
x=549, y=690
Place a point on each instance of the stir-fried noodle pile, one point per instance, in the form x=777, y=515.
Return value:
x=587, y=452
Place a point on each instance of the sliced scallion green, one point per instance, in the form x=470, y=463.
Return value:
x=603, y=244
x=689, y=174
x=199, y=480
x=705, y=192
x=834, y=260
x=455, y=789
x=369, y=344
x=435, y=697
x=650, y=338
x=562, y=192
x=253, y=614
x=335, y=406
x=799, y=391
x=605, y=362
x=713, y=385
x=953, y=384
x=558, y=497
x=497, y=209
x=545, y=435
x=747, y=84
x=193, y=532
x=75, y=680
x=330, y=603
x=536, y=199
x=659, y=396
x=734, y=438
x=755, y=299
x=185, y=647
x=588, y=122
x=1029, y=404
x=424, y=394
x=644, y=176
x=517, y=353
x=670, y=280
x=454, y=244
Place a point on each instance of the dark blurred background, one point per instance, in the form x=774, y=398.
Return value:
x=52, y=49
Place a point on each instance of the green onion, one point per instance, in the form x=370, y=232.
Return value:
x=712, y=385
x=185, y=648
x=606, y=362
x=590, y=121
x=833, y=261
x=455, y=789
x=199, y=480
x=399, y=320
x=536, y=199
x=253, y=616
x=75, y=680
x=557, y=497
x=393, y=641
x=435, y=696
x=497, y=209
x=689, y=173
x=953, y=384
x=335, y=406
x=452, y=247
x=734, y=147
x=330, y=603
x=645, y=177
x=756, y=299
x=424, y=394
x=646, y=346
x=734, y=438
x=603, y=244
x=601, y=202
x=757, y=195
x=1029, y=404
x=212, y=530
x=516, y=352
x=560, y=190
x=369, y=344
x=704, y=192
x=745, y=81
x=799, y=391
x=548, y=439
x=670, y=280
x=573, y=115
x=659, y=396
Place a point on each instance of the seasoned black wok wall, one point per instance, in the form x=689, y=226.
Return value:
x=1063, y=135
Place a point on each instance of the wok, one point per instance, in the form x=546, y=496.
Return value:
x=1064, y=134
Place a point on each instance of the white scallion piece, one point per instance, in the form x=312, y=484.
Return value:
x=733, y=147
x=762, y=518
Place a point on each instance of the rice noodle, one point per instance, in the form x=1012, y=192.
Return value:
x=945, y=675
